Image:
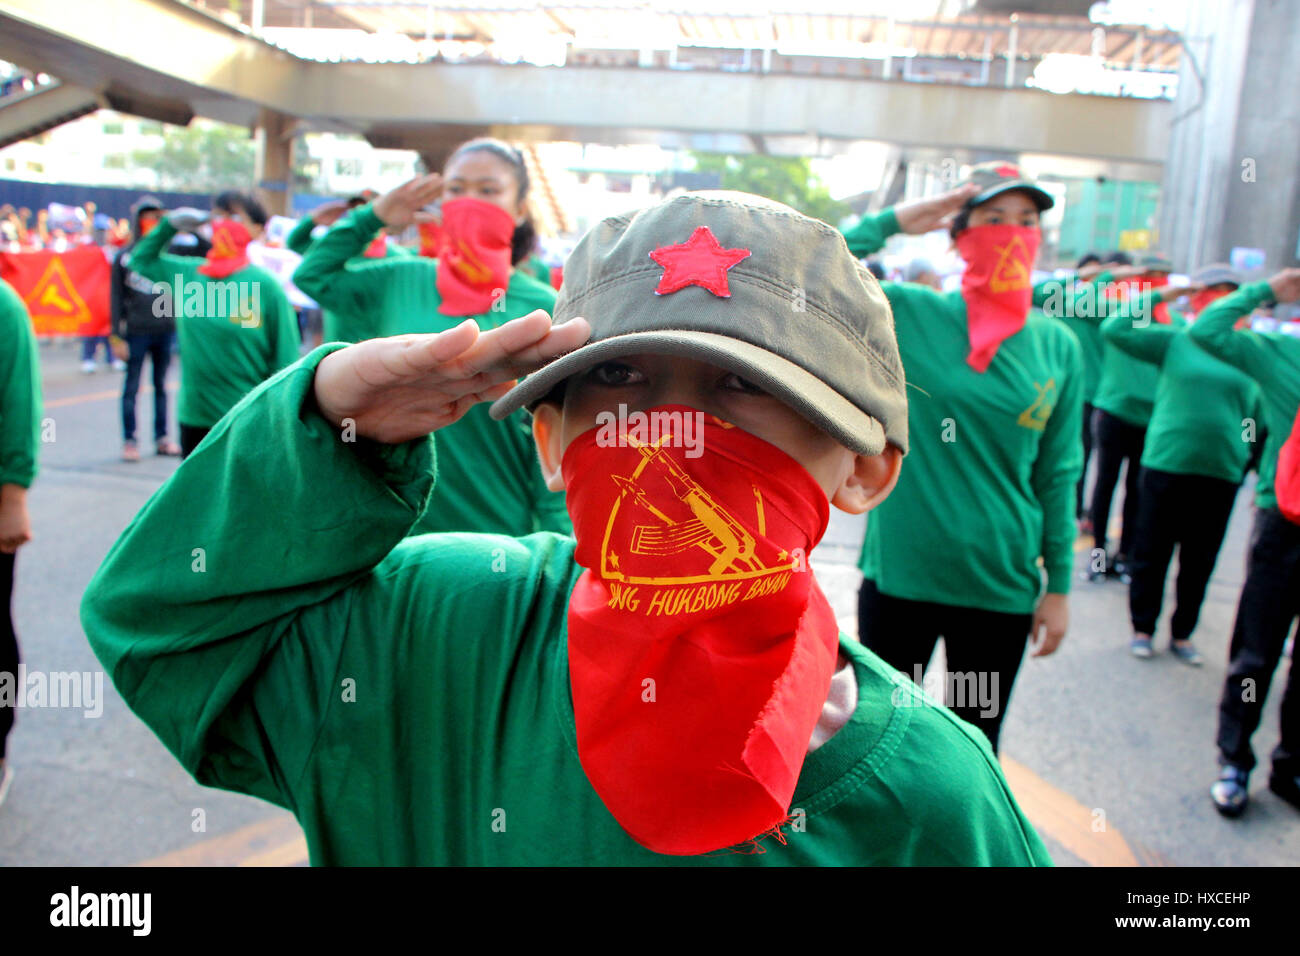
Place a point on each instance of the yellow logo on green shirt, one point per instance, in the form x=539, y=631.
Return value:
x=1037, y=414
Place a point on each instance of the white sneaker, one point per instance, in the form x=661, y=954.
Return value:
x=88, y=367
x=119, y=365
x=6, y=778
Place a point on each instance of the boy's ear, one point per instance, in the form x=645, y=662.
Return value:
x=547, y=419
x=869, y=483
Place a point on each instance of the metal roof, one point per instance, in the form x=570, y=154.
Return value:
x=929, y=30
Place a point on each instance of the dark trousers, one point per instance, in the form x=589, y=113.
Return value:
x=1079, y=510
x=984, y=649
x=1269, y=605
x=1192, y=512
x=1115, y=441
x=8, y=644
x=158, y=349
x=191, y=435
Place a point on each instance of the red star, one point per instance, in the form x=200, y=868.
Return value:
x=700, y=260
x=1007, y=171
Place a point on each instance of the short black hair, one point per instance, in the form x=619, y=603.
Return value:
x=230, y=201
x=1088, y=258
x=1118, y=259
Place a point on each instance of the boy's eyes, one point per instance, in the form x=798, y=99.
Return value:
x=613, y=374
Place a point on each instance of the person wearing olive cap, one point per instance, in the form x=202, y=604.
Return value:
x=1194, y=458
x=668, y=686
x=995, y=391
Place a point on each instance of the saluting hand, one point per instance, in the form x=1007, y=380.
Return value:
x=399, y=388
x=924, y=215
x=405, y=205
x=1286, y=285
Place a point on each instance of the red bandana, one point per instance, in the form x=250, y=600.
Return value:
x=432, y=237
x=474, y=262
x=996, y=285
x=700, y=260
x=1140, y=284
x=229, y=252
x=378, y=248
x=701, y=649
x=1204, y=299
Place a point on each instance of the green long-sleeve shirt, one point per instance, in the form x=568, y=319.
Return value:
x=1200, y=424
x=20, y=391
x=408, y=700
x=339, y=326
x=490, y=480
x=233, y=332
x=1048, y=297
x=1127, y=388
x=1270, y=358
x=988, y=483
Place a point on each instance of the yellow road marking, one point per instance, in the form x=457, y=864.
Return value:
x=1066, y=820
x=266, y=840
x=97, y=397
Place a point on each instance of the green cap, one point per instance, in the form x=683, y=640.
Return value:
x=746, y=284
x=997, y=177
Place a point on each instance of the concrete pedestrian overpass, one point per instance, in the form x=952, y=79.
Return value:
x=166, y=60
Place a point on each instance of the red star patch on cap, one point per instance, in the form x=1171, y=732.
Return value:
x=1007, y=171
x=700, y=260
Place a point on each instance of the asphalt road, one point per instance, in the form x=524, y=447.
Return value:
x=1110, y=757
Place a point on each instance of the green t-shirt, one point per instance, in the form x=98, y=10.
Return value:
x=1203, y=406
x=20, y=391
x=987, y=487
x=489, y=479
x=1272, y=359
x=233, y=333
x=340, y=326
x=409, y=700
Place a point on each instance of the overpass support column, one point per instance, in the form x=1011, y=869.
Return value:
x=273, y=167
x=1230, y=176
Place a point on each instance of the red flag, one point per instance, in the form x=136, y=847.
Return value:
x=66, y=292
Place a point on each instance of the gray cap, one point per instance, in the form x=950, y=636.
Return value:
x=1217, y=273
x=797, y=315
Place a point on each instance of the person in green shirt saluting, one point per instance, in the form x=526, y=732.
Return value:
x=488, y=479
x=343, y=327
x=234, y=323
x=994, y=397
x=20, y=415
x=1197, y=449
x=669, y=686
x=1270, y=598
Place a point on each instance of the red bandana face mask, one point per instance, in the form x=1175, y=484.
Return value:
x=1204, y=299
x=1140, y=284
x=229, y=252
x=996, y=285
x=701, y=649
x=474, y=264
x=431, y=239
x=378, y=248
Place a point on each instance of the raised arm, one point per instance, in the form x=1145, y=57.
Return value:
x=223, y=626
x=148, y=257
x=1141, y=338
x=1255, y=354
